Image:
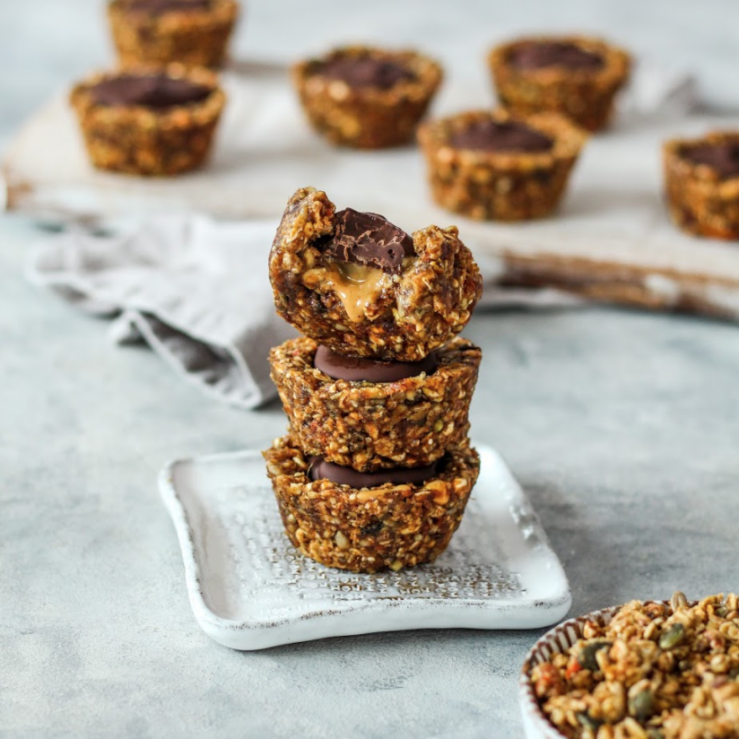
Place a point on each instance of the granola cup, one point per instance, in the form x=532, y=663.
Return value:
x=369, y=529
x=139, y=140
x=653, y=669
x=366, y=118
x=415, y=312
x=196, y=38
x=374, y=425
x=503, y=185
x=584, y=96
x=699, y=200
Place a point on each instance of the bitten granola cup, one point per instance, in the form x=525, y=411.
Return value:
x=370, y=529
x=158, y=32
x=363, y=287
x=702, y=184
x=364, y=425
x=493, y=165
x=364, y=97
x=149, y=121
x=577, y=76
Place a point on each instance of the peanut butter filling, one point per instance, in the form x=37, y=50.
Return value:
x=357, y=286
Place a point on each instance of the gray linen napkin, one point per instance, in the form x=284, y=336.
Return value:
x=196, y=290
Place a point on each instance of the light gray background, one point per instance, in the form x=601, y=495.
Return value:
x=622, y=427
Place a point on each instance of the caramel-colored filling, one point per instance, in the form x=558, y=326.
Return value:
x=357, y=286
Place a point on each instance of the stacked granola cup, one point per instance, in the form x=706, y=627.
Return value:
x=366, y=97
x=149, y=121
x=376, y=468
x=494, y=165
x=575, y=76
x=158, y=32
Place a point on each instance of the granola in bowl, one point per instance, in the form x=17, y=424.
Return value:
x=646, y=670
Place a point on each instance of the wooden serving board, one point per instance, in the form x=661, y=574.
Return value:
x=611, y=240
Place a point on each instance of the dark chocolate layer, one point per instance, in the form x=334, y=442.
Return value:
x=543, y=54
x=358, y=369
x=157, y=7
x=157, y=91
x=320, y=469
x=369, y=239
x=722, y=157
x=489, y=135
x=366, y=71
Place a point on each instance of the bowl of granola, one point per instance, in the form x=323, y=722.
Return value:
x=644, y=670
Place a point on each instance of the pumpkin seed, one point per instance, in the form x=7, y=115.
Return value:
x=587, y=659
x=672, y=637
x=641, y=705
x=678, y=600
x=588, y=722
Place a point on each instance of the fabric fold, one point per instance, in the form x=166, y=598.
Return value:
x=194, y=289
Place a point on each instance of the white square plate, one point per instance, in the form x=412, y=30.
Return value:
x=251, y=589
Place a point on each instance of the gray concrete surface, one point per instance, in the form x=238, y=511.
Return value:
x=622, y=426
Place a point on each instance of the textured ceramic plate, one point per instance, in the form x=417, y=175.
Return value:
x=250, y=589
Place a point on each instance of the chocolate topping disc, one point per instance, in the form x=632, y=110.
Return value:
x=359, y=369
x=543, y=54
x=320, y=469
x=369, y=239
x=157, y=7
x=157, y=91
x=489, y=135
x=366, y=71
x=721, y=156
